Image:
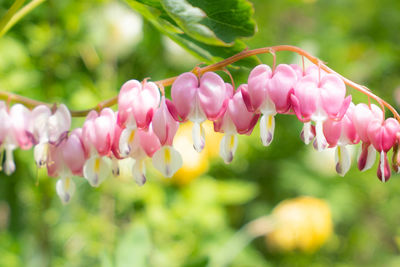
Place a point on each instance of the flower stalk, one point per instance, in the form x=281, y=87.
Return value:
x=30, y=103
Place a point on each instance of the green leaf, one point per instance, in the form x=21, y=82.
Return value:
x=229, y=19
x=207, y=53
x=212, y=22
x=154, y=15
x=189, y=18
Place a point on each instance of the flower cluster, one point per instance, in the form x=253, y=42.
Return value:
x=146, y=122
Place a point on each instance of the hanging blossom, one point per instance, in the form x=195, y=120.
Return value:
x=15, y=131
x=137, y=103
x=269, y=92
x=167, y=159
x=146, y=144
x=339, y=134
x=363, y=115
x=66, y=159
x=383, y=137
x=197, y=100
x=48, y=128
x=317, y=98
x=98, y=136
x=235, y=119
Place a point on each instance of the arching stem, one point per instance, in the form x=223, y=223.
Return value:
x=220, y=66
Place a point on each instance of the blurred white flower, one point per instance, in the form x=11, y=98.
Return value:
x=115, y=28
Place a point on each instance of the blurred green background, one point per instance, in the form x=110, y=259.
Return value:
x=81, y=52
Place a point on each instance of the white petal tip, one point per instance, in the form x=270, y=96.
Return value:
x=267, y=128
x=167, y=160
x=198, y=135
x=96, y=170
x=141, y=180
x=228, y=147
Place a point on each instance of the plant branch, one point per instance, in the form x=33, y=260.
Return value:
x=10, y=21
x=221, y=66
x=9, y=14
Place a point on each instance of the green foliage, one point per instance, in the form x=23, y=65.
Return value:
x=78, y=52
x=210, y=30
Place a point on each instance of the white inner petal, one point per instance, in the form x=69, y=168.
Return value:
x=65, y=188
x=126, y=141
x=40, y=153
x=306, y=133
x=342, y=160
x=198, y=135
x=197, y=115
x=267, y=128
x=227, y=124
x=9, y=165
x=268, y=107
x=370, y=157
x=167, y=160
x=228, y=147
x=131, y=122
x=41, y=127
x=139, y=171
x=97, y=169
x=382, y=166
x=320, y=141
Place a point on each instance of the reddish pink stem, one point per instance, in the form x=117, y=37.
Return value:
x=219, y=66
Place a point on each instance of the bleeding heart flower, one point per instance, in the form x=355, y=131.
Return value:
x=339, y=134
x=48, y=128
x=362, y=116
x=15, y=132
x=383, y=138
x=198, y=100
x=146, y=144
x=167, y=159
x=98, y=136
x=316, y=100
x=65, y=159
x=269, y=92
x=236, y=119
x=137, y=103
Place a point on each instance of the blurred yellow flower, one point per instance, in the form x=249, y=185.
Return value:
x=194, y=163
x=303, y=223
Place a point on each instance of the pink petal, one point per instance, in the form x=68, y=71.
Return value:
x=298, y=70
x=333, y=91
x=148, y=141
x=126, y=97
x=20, y=117
x=74, y=153
x=282, y=81
x=257, y=86
x=211, y=94
x=383, y=136
x=238, y=112
x=305, y=97
x=383, y=172
x=144, y=104
x=362, y=116
x=332, y=131
x=5, y=122
x=115, y=144
x=55, y=161
x=183, y=91
x=164, y=125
